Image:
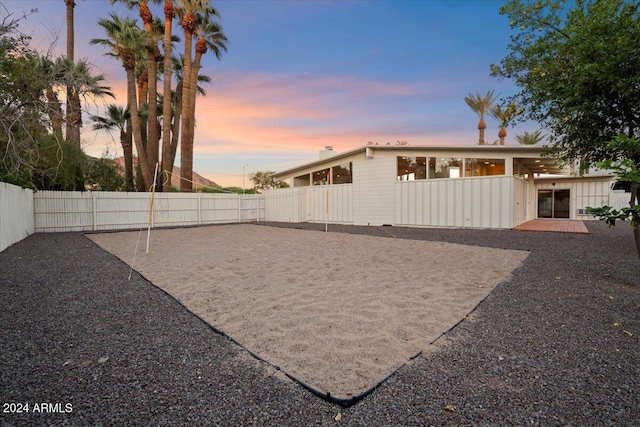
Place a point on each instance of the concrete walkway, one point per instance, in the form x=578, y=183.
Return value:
x=557, y=225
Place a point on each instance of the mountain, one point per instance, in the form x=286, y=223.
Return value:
x=198, y=180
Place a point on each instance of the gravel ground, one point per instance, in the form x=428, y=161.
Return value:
x=557, y=344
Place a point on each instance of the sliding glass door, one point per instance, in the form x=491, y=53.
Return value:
x=553, y=203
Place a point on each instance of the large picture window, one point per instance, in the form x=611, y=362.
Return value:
x=445, y=167
x=483, y=167
x=414, y=168
x=411, y=168
x=342, y=174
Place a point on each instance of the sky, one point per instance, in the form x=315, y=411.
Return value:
x=300, y=75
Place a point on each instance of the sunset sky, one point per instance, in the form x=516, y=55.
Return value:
x=300, y=75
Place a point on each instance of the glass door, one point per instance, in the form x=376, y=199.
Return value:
x=553, y=203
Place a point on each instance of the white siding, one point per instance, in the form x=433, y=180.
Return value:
x=374, y=189
x=16, y=214
x=585, y=192
x=483, y=202
x=619, y=199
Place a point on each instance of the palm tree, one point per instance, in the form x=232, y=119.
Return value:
x=124, y=39
x=504, y=116
x=167, y=159
x=481, y=105
x=153, y=57
x=532, y=138
x=74, y=109
x=118, y=118
x=176, y=116
x=191, y=12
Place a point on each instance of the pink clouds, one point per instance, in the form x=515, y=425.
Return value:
x=259, y=112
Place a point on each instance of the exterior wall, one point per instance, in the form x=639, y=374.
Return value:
x=374, y=189
x=483, y=202
x=585, y=192
x=90, y=211
x=16, y=214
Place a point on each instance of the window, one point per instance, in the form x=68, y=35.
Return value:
x=445, y=167
x=320, y=177
x=301, y=181
x=483, y=167
x=411, y=168
x=342, y=174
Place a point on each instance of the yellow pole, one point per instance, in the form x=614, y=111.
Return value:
x=153, y=194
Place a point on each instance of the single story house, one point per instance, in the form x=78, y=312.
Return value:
x=479, y=186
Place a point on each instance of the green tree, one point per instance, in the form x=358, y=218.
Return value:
x=118, y=118
x=124, y=38
x=264, y=180
x=576, y=65
x=623, y=153
x=530, y=138
x=481, y=105
x=32, y=150
x=103, y=175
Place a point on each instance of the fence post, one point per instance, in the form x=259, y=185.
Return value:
x=199, y=208
x=93, y=211
x=239, y=209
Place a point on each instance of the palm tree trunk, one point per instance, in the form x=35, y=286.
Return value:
x=195, y=68
x=137, y=131
x=175, y=133
x=482, y=125
x=69, y=126
x=186, y=145
x=127, y=148
x=167, y=159
x=502, y=134
x=153, y=142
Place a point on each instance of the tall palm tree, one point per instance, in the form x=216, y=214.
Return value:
x=118, y=118
x=176, y=116
x=532, y=138
x=481, y=105
x=167, y=159
x=150, y=132
x=504, y=115
x=191, y=12
x=125, y=38
x=73, y=109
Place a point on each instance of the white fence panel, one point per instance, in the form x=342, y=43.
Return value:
x=63, y=211
x=285, y=204
x=87, y=211
x=483, y=202
x=309, y=204
x=16, y=214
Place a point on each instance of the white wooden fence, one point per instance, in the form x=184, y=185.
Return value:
x=23, y=212
x=91, y=211
x=318, y=203
x=16, y=214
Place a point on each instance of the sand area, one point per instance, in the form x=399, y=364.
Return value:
x=339, y=312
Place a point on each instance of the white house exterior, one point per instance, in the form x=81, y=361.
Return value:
x=480, y=186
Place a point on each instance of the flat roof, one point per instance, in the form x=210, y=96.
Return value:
x=529, y=151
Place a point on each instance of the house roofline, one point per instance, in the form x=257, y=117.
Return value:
x=529, y=149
